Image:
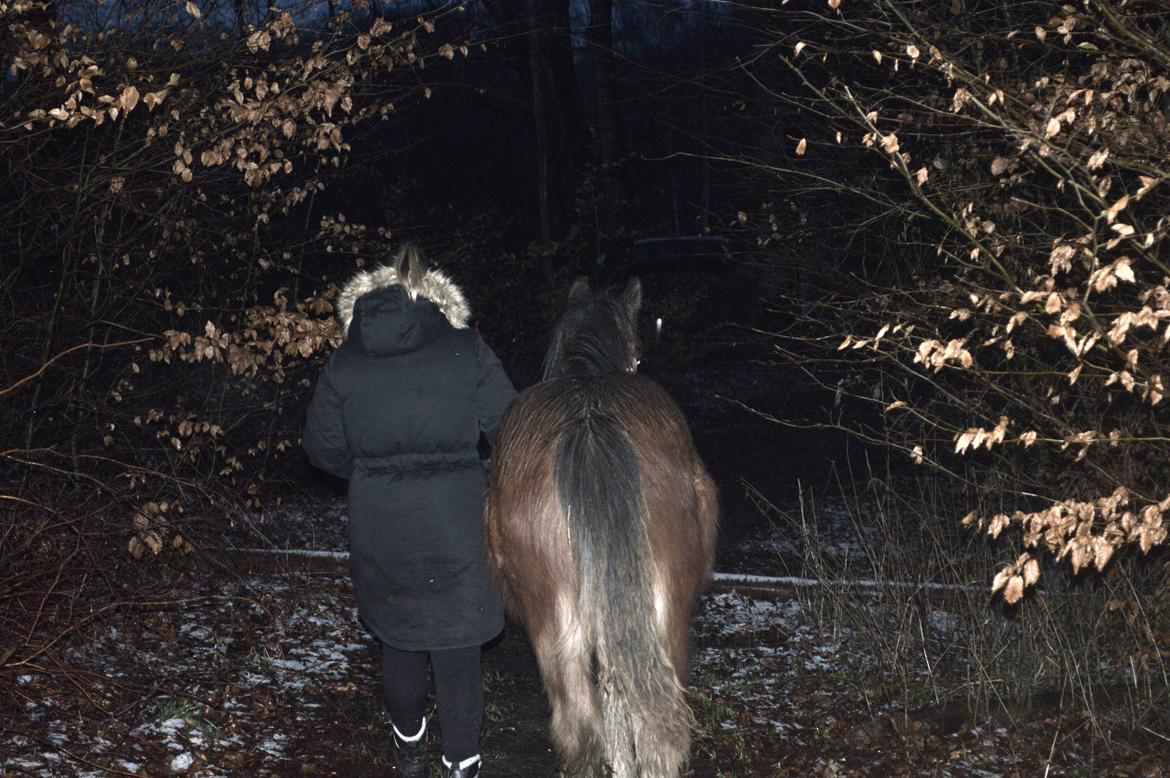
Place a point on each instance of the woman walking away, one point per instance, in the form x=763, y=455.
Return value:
x=398, y=411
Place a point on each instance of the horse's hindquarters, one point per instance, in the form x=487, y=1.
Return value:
x=522, y=521
x=600, y=523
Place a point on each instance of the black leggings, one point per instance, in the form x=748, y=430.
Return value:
x=458, y=695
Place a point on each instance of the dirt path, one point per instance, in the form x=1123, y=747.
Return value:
x=276, y=677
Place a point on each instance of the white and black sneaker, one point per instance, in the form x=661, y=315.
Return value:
x=468, y=768
x=410, y=753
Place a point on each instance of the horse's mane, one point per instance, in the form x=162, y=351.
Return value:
x=596, y=335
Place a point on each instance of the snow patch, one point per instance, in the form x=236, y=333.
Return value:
x=182, y=763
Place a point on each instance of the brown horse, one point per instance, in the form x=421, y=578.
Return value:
x=601, y=523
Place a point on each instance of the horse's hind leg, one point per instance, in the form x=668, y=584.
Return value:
x=566, y=667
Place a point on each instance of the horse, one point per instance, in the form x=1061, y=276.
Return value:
x=600, y=524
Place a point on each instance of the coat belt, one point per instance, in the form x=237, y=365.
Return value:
x=414, y=462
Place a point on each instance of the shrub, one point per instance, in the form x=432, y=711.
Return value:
x=169, y=175
x=1005, y=290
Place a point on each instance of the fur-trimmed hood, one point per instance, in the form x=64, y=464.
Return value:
x=435, y=286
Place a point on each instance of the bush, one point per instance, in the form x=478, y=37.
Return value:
x=1003, y=295
x=170, y=184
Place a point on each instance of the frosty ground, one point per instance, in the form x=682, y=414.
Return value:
x=249, y=666
x=272, y=674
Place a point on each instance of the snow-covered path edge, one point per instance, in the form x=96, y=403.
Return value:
x=721, y=581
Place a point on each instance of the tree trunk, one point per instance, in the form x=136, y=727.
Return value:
x=609, y=141
x=513, y=19
x=238, y=7
x=536, y=70
x=537, y=36
x=568, y=128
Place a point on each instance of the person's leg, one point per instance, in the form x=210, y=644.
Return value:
x=459, y=698
x=404, y=682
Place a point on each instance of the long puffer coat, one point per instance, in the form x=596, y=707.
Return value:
x=398, y=410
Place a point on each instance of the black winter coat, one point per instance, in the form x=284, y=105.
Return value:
x=398, y=411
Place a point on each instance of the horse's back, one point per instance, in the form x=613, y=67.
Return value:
x=633, y=401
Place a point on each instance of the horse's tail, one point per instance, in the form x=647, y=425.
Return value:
x=646, y=721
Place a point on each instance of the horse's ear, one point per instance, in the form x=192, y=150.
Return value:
x=632, y=297
x=411, y=266
x=580, y=288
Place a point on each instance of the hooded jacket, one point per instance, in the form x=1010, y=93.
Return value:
x=398, y=411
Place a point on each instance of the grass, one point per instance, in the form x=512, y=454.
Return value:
x=260, y=659
x=493, y=692
x=177, y=709
x=1085, y=647
x=191, y=713
x=709, y=702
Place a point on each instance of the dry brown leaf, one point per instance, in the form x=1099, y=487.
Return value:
x=1014, y=591
x=128, y=99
